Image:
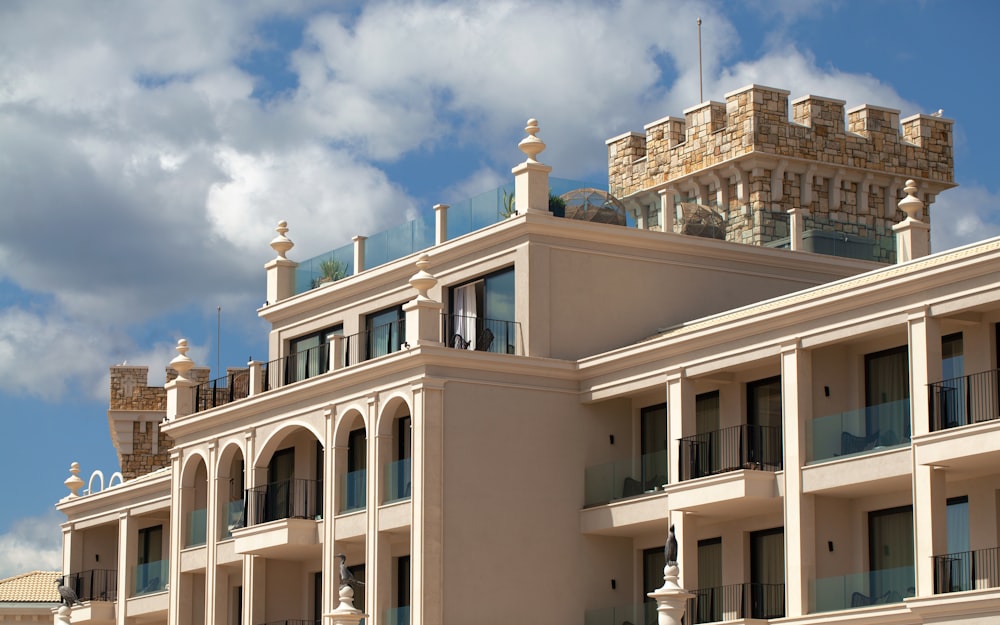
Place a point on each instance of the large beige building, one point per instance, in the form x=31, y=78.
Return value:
x=500, y=425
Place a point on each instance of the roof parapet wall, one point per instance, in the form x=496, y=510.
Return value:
x=755, y=119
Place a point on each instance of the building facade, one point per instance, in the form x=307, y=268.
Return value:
x=504, y=424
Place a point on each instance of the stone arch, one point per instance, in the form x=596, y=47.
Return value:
x=231, y=489
x=287, y=475
x=194, y=499
x=351, y=462
x=394, y=449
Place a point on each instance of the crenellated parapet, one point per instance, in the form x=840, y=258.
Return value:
x=748, y=158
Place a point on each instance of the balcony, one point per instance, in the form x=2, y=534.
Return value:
x=626, y=478
x=287, y=499
x=737, y=602
x=379, y=341
x=98, y=589
x=860, y=431
x=967, y=570
x=296, y=367
x=752, y=447
x=221, y=391
x=965, y=400
x=481, y=334
x=398, y=480
x=857, y=590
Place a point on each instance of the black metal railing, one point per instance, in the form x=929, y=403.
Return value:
x=968, y=399
x=94, y=585
x=286, y=499
x=220, y=391
x=296, y=367
x=379, y=341
x=967, y=570
x=737, y=602
x=294, y=621
x=746, y=446
x=481, y=334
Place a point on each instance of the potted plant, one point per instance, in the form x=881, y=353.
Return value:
x=330, y=270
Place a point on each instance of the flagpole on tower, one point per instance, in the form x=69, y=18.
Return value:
x=701, y=94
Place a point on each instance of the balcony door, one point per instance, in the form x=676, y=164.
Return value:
x=890, y=553
x=767, y=573
x=653, y=562
x=482, y=314
x=385, y=332
x=149, y=575
x=887, y=396
x=654, y=447
x=710, y=602
x=280, y=472
x=763, y=437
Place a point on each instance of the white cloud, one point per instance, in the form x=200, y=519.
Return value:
x=32, y=544
x=964, y=215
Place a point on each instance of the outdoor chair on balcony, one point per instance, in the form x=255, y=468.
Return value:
x=484, y=341
x=458, y=342
x=852, y=444
x=631, y=487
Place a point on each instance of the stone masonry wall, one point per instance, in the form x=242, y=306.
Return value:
x=747, y=160
x=134, y=414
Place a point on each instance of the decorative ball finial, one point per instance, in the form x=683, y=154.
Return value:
x=281, y=244
x=422, y=281
x=74, y=483
x=531, y=145
x=181, y=363
x=911, y=204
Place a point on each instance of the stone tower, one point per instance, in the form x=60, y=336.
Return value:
x=733, y=170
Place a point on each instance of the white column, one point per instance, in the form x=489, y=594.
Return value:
x=128, y=540
x=359, y=253
x=426, y=536
x=440, y=223
x=800, y=516
x=330, y=560
x=796, y=218
x=177, y=509
x=374, y=578
x=667, y=214
x=680, y=418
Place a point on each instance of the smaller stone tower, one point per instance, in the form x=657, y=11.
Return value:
x=135, y=412
x=733, y=170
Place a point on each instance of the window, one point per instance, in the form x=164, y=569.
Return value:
x=355, y=493
x=150, y=574
x=887, y=396
x=952, y=400
x=402, y=611
x=385, y=332
x=309, y=355
x=654, y=447
x=958, y=567
x=278, y=496
x=399, y=471
x=653, y=562
x=482, y=314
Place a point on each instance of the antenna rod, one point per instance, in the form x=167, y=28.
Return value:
x=218, y=341
x=701, y=93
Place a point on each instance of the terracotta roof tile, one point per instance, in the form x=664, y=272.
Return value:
x=37, y=586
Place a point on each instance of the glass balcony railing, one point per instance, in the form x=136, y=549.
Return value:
x=235, y=517
x=150, y=577
x=398, y=483
x=398, y=616
x=196, y=520
x=859, y=431
x=637, y=613
x=863, y=589
x=624, y=478
x=354, y=491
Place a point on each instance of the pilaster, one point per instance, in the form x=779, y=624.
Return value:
x=800, y=513
x=680, y=418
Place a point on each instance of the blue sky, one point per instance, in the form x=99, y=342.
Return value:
x=147, y=150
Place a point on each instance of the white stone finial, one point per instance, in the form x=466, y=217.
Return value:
x=911, y=204
x=181, y=363
x=422, y=281
x=347, y=601
x=281, y=244
x=531, y=145
x=74, y=482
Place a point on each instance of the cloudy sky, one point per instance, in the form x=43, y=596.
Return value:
x=147, y=149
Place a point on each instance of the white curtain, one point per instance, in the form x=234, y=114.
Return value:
x=465, y=315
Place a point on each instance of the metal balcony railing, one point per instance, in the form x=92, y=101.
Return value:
x=294, y=621
x=737, y=602
x=482, y=334
x=967, y=570
x=296, y=367
x=286, y=499
x=968, y=399
x=379, y=341
x=94, y=585
x=221, y=391
x=746, y=446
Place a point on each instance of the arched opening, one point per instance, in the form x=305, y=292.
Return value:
x=353, y=486
x=194, y=502
x=291, y=469
x=232, y=496
x=398, y=470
